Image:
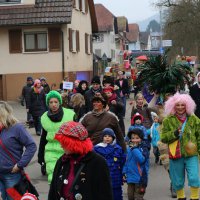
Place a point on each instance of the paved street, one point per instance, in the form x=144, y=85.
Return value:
x=158, y=188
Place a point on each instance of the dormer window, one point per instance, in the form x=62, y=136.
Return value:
x=9, y=1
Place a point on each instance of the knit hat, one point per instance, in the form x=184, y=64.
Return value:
x=108, y=89
x=135, y=117
x=136, y=131
x=43, y=79
x=153, y=114
x=96, y=79
x=53, y=94
x=109, y=131
x=36, y=82
x=73, y=137
x=29, y=196
x=29, y=78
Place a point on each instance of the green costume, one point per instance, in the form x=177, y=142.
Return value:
x=191, y=132
x=53, y=150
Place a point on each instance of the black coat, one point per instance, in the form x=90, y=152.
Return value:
x=195, y=94
x=37, y=103
x=93, y=182
x=124, y=88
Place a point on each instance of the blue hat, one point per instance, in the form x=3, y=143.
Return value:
x=109, y=131
x=29, y=78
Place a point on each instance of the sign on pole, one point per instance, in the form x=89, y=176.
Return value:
x=166, y=43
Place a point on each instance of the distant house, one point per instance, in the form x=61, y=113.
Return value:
x=50, y=38
x=144, y=41
x=133, y=37
x=121, y=38
x=104, y=44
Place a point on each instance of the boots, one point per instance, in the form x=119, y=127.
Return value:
x=173, y=192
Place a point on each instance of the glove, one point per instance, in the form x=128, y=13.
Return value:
x=176, y=133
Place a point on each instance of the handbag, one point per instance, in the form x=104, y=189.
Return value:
x=175, y=147
x=24, y=185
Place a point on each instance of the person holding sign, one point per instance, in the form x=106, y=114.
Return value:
x=180, y=130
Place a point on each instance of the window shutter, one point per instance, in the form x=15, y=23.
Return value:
x=86, y=43
x=70, y=40
x=15, y=41
x=91, y=45
x=80, y=5
x=86, y=6
x=54, y=39
x=77, y=42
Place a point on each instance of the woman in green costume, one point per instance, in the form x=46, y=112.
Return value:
x=49, y=148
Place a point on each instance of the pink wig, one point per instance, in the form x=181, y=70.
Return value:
x=180, y=98
x=36, y=82
x=75, y=146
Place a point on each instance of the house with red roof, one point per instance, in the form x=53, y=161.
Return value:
x=49, y=38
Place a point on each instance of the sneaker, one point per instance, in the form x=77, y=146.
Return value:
x=173, y=192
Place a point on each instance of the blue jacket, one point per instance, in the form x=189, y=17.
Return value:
x=134, y=165
x=155, y=135
x=15, y=139
x=115, y=159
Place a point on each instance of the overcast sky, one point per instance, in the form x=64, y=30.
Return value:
x=134, y=10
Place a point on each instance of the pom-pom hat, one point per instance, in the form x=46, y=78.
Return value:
x=73, y=137
x=109, y=131
x=135, y=117
x=53, y=94
x=29, y=196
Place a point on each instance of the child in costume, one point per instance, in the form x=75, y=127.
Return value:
x=155, y=135
x=135, y=165
x=115, y=159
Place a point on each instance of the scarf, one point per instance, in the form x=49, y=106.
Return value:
x=56, y=117
x=181, y=118
x=113, y=97
x=96, y=91
x=37, y=90
x=73, y=160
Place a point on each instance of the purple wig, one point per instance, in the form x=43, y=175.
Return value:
x=180, y=98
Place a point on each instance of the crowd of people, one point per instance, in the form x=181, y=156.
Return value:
x=84, y=148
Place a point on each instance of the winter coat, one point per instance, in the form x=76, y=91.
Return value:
x=96, y=123
x=52, y=150
x=15, y=138
x=26, y=93
x=37, y=103
x=115, y=159
x=93, y=182
x=124, y=88
x=155, y=135
x=134, y=165
x=194, y=93
x=191, y=132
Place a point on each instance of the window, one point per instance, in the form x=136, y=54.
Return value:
x=10, y=1
x=112, y=53
x=88, y=43
x=81, y=5
x=35, y=41
x=15, y=41
x=77, y=4
x=74, y=44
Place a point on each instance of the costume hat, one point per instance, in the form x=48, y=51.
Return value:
x=53, y=94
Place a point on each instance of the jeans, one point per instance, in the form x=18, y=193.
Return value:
x=8, y=181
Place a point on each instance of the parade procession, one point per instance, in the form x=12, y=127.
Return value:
x=99, y=100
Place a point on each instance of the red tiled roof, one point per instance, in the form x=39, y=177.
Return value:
x=43, y=12
x=133, y=34
x=105, y=19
